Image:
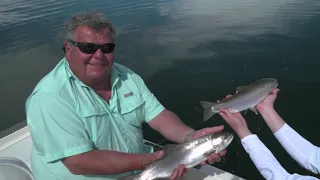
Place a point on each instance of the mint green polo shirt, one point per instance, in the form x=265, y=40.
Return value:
x=66, y=118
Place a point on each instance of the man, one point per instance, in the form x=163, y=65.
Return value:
x=85, y=116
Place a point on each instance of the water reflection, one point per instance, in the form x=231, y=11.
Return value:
x=193, y=29
x=200, y=22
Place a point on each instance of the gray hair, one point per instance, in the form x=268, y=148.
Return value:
x=95, y=20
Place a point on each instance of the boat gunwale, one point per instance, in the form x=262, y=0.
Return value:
x=10, y=130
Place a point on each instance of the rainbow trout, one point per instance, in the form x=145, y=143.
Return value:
x=190, y=154
x=246, y=97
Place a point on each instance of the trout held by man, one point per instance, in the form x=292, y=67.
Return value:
x=190, y=154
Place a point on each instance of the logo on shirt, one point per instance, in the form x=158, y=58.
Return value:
x=128, y=94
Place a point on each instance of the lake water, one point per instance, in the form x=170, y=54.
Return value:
x=186, y=51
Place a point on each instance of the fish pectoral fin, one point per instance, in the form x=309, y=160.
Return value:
x=168, y=148
x=241, y=88
x=254, y=110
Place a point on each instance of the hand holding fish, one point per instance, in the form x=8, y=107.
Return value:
x=268, y=102
x=178, y=172
x=151, y=157
x=212, y=158
x=236, y=122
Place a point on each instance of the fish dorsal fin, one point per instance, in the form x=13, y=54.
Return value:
x=168, y=148
x=241, y=88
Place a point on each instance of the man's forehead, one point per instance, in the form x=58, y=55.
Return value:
x=85, y=32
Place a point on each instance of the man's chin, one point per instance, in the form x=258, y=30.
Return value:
x=98, y=76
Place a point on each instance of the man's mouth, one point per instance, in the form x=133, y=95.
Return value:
x=96, y=64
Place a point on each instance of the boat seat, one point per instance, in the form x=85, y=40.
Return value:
x=14, y=169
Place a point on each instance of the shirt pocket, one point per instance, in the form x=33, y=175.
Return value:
x=132, y=110
x=97, y=122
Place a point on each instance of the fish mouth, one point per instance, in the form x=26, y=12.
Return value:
x=228, y=139
x=275, y=82
x=225, y=140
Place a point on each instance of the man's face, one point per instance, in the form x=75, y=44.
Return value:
x=94, y=67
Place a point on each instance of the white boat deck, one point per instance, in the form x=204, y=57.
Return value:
x=19, y=143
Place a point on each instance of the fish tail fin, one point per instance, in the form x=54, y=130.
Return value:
x=209, y=109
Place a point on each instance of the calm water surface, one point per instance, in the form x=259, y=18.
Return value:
x=186, y=51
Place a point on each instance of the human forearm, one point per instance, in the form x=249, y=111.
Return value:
x=170, y=126
x=300, y=149
x=266, y=163
x=272, y=119
x=262, y=157
x=104, y=162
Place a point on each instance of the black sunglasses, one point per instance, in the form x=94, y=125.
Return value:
x=90, y=48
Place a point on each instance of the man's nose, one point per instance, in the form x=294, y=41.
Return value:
x=98, y=54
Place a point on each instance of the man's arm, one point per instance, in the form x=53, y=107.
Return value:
x=170, y=126
x=61, y=134
x=159, y=118
x=107, y=162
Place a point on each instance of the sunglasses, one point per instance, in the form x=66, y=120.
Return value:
x=90, y=48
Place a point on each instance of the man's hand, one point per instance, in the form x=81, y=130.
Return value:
x=178, y=172
x=149, y=158
x=212, y=158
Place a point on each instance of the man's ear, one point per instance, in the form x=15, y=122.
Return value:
x=66, y=47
